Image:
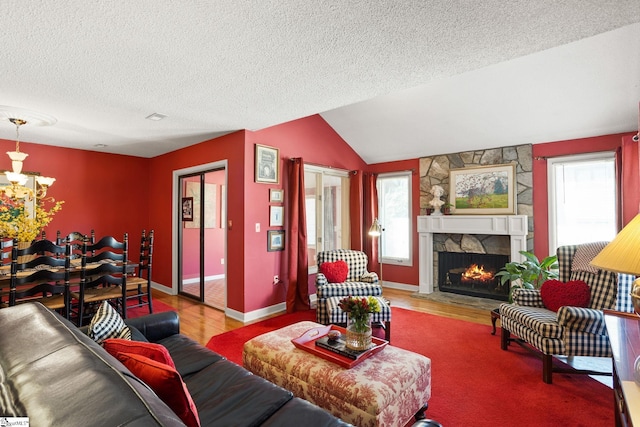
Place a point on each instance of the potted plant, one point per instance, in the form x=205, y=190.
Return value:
x=530, y=273
x=446, y=208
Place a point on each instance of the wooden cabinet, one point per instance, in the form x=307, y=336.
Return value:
x=624, y=334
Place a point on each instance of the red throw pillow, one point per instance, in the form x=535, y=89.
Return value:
x=335, y=272
x=556, y=294
x=166, y=382
x=156, y=352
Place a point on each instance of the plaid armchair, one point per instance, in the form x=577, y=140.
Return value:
x=360, y=282
x=572, y=331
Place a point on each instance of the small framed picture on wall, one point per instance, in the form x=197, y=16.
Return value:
x=276, y=216
x=276, y=195
x=275, y=240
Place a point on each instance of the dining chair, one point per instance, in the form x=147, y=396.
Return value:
x=76, y=239
x=139, y=286
x=44, y=278
x=103, y=277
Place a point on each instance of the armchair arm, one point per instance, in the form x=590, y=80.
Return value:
x=527, y=297
x=369, y=277
x=580, y=319
x=355, y=289
x=321, y=279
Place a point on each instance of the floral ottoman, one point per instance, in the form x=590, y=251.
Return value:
x=387, y=389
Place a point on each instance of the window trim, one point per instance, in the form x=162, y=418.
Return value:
x=344, y=206
x=405, y=262
x=551, y=190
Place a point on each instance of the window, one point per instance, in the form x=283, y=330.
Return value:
x=394, y=214
x=327, y=210
x=582, y=199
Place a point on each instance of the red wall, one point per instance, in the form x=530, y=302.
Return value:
x=397, y=273
x=316, y=142
x=250, y=268
x=115, y=194
x=231, y=148
x=540, y=199
x=105, y=192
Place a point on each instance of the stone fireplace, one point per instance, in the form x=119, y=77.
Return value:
x=474, y=274
x=500, y=236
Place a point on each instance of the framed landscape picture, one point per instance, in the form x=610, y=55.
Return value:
x=483, y=190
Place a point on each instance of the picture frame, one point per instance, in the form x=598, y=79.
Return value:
x=483, y=190
x=275, y=240
x=276, y=216
x=276, y=195
x=187, y=209
x=267, y=164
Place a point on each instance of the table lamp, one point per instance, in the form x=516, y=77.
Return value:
x=622, y=255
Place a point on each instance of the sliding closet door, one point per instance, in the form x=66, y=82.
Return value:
x=202, y=255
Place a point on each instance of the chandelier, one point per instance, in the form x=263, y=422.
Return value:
x=17, y=188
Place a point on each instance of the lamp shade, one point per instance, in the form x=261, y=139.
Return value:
x=622, y=255
x=375, y=228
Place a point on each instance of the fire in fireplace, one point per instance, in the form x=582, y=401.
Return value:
x=472, y=274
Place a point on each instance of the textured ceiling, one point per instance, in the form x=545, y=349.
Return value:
x=395, y=79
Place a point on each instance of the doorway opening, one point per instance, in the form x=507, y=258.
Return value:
x=202, y=236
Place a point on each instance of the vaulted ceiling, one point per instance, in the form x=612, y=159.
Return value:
x=396, y=79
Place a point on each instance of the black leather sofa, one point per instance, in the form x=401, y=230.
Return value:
x=54, y=374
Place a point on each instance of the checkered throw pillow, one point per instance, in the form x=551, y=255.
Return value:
x=107, y=323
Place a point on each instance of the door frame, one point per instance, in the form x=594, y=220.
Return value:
x=176, y=211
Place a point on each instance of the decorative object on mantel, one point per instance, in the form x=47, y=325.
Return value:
x=622, y=255
x=436, y=192
x=359, y=310
x=23, y=213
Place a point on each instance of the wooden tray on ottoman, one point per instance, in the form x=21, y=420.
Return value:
x=307, y=342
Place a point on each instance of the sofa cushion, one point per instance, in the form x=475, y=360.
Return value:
x=189, y=356
x=107, y=323
x=167, y=384
x=156, y=352
x=556, y=294
x=227, y=394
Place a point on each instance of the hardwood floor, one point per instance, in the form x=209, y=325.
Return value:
x=200, y=322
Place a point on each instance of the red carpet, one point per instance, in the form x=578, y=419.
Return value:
x=158, y=307
x=474, y=383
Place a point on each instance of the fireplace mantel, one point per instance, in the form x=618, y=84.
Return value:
x=515, y=226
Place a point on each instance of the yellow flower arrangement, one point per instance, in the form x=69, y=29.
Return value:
x=17, y=223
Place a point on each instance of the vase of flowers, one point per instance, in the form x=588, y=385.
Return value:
x=359, y=310
x=20, y=221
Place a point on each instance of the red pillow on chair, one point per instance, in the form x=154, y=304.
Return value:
x=556, y=294
x=335, y=272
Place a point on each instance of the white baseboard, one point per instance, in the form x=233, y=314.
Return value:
x=256, y=314
x=401, y=286
x=197, y=279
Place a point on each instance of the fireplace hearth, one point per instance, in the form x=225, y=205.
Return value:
x=472, y=274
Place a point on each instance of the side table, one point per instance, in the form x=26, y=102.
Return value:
x=624, y=335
